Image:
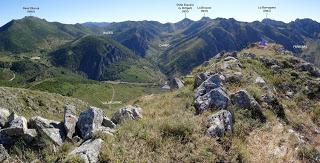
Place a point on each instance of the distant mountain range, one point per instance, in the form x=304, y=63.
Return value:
x=174, y=48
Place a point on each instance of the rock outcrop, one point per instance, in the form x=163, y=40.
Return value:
x=3, y=153
x=4, y=114
x=89, y=150
x=89, y=121
x=16, y=125
x=108, y=123
x=52, y=129
x=220, y=123
x=127, y=113
x=216, y=98
x=70, y=121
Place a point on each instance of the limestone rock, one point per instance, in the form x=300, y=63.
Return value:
x=231, y=63
x=52, y=129
x=3, y=153
x=127, y=113
x=16, y=126
x=220, y=123
x=244, y=100
x=108, y=123
x=199, y=79
x=214, y=81
x=4, y=114
x=70, y=120
x=89, y=150
x=89, y=121
x=216, y=98
x=232, y=76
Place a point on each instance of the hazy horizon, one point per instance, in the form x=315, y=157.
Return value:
x=81, y=11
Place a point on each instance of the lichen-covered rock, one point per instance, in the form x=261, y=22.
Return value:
x=52, y=129
x=214, y=81
x=199, y=79
x=3, y=153
x=216, y=98
x=220, y=123
x=89, y=150
x=4, y=114
x=231, y=76
x=127, y=113
x=16, y=125
x=89, y=121
x=231, y=64
x=244, y=100
x=108, y=123
x=70, y=120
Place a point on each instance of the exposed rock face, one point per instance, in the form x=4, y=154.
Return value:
x=216, y=98
x=232, y=76
x=220, y=123
x=175, y=83
x=310, y=68
x=244, y=100
x=16, y=126
x=70, y=120
x=127, y=113
x=89, y=150
x=231, y=63
x=214, y=81
x=108, y=123
x=200, y=78
x=89, y=121
x=52, y=129
x=4, y=114
x=3, y=153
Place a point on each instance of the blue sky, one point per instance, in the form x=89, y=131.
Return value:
x=79, y=11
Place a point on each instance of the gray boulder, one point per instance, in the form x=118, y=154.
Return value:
x=105, y=130
x=244, y=100
x=231, y=63
x=4, y=114
x=89, y=150
x=220, y=123
x=260, y=81
x=52, y=129
x=229, y=58
x=216, y=98
x=126, y=113
x=16, y=125
x=108, y=123
x=232, y=76
x=70, y=121
x=199, y=79
x=3, y=153
x=175, y=83
x=89, y=121
x=214, y=81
